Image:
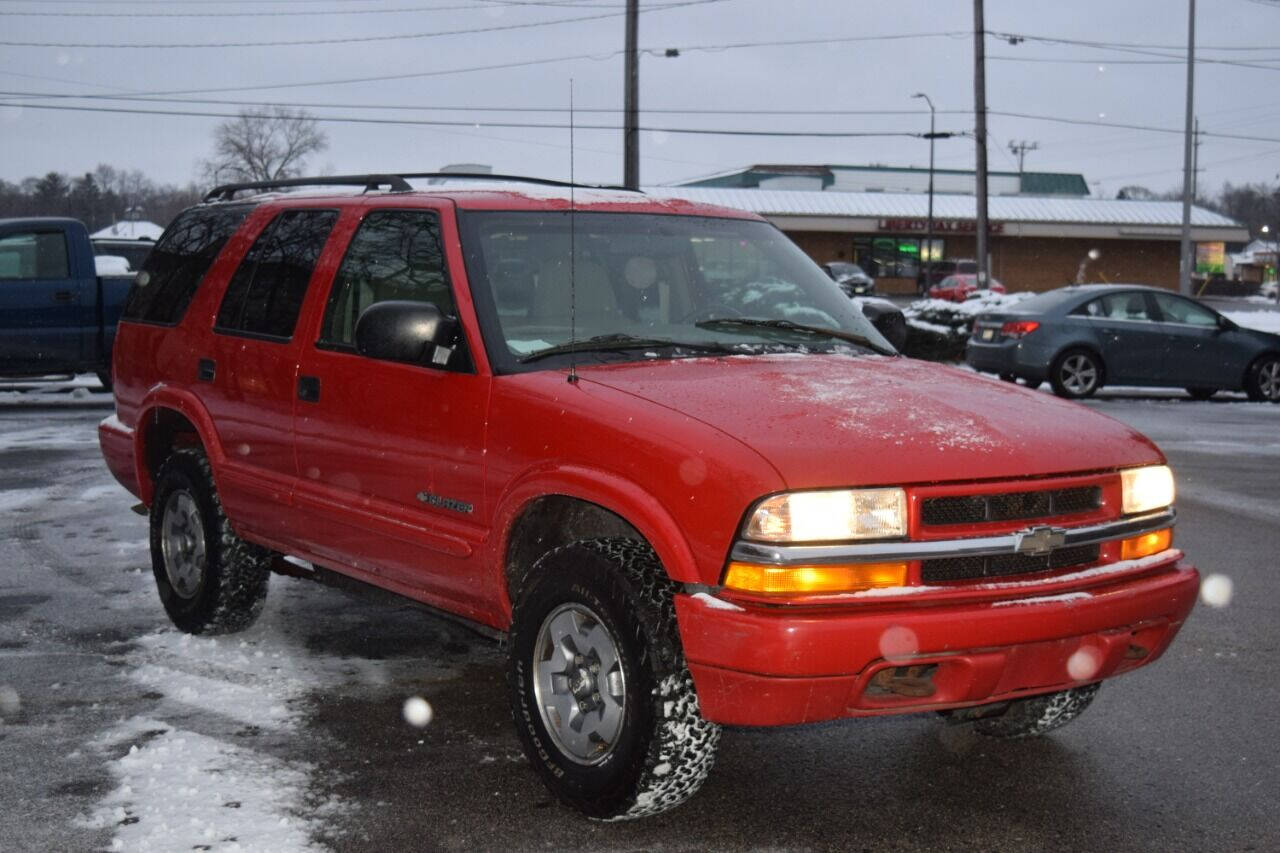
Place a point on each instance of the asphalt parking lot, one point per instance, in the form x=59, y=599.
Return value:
x=117, y=730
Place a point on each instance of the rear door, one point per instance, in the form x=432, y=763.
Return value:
x=249, y=372
x=46, y=306
x=391, y=455
x=1132, y=343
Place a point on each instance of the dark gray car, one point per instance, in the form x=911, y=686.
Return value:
x=1081, y=338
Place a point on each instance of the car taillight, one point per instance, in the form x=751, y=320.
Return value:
x=1019, y=328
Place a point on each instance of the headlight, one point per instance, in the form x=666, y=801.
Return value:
x=830, y=516
x=1146, y=488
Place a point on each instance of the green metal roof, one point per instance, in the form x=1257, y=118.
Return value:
x=1033, y=183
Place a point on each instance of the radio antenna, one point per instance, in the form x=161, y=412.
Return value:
x=573, y=251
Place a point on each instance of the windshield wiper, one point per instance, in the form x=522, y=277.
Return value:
x=787, y=325
x=618, y=341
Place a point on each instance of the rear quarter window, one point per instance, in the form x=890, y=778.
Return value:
x=178, y=263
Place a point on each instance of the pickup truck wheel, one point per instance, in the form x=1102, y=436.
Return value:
x=1037, y=715
x=602, y=698
x=1075, y=374
x=210, y=580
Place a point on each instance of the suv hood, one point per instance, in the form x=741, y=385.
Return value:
x=837, y=420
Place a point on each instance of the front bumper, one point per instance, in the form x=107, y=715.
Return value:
x=777, y=665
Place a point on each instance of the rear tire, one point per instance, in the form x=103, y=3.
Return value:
x=1037, y=715
x=1201, y=393
x=210, y=580
x=1263, y=380
x=104, y=376
x=1076, y=374
x=602, y=698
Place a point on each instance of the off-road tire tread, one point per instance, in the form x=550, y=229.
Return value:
x=240, y=570
x=682, y=748
x=1037, y=715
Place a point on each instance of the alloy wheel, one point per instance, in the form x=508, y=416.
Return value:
x=1269, y=380
x=1079, y=374
x=579, y=684
x=182, y=541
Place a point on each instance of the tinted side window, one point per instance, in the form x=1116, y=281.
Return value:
x=34, y=254
x=266, y=292
x=1175, y=310
x=396, y=254
x=177, y=264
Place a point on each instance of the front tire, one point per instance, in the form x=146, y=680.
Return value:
x=210, y=580
x=1263, y=381
x=1076, y=374
x=1038, y=715
x=602, y=698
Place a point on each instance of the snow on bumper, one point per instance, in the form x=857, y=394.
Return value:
x=762, y=666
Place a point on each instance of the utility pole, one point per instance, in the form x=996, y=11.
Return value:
x=1184, y=264
x=1020, y=150
x=980, y=131
x=1195, y=162
x=631, y=103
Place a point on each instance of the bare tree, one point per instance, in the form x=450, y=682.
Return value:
x=264, y=145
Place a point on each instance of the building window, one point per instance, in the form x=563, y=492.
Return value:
x=893, y=257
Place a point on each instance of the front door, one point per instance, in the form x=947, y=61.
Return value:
x=391, y=455
x=1199, y=352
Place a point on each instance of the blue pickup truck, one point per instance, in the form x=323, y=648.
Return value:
x=57, y=314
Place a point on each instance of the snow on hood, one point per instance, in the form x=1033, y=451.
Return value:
x=831, y=420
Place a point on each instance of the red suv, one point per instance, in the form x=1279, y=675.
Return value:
x=647, y=441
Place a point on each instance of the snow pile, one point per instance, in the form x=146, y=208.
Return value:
x=200, y=771
x=1265, y=321
x=937, y=329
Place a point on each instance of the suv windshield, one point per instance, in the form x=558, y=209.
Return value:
x=645, y=285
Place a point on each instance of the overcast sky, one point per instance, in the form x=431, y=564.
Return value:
x=1136, y=85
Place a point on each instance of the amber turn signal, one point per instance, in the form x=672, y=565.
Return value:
x=808, y=580
x=1146, y=544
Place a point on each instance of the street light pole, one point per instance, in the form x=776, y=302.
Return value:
x=928, y=254
x=631, y=102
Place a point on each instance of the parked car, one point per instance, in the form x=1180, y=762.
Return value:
x=57, y=314
x=886, y=317
x=933, y=273
x=684, y=499
x=958, y=288
x=1083, y=337
x=851, y=278
x=1269, y=289
x=134, y=251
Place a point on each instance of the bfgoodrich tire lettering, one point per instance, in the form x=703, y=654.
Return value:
x=664, y=749
x=1037, y=715
x=210, y=580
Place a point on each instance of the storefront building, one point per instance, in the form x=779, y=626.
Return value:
x=1036, y=242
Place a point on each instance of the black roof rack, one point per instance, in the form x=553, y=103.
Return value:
x=397, y=183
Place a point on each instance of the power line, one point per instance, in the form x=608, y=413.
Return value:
x=470, y=7
x=344, y=39
x=365, y=105
x=834, y=134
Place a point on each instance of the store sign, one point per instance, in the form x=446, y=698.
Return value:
x=940, y=226
x=1211, y=258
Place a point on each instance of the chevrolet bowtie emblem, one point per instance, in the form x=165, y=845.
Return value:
x=1038, y=541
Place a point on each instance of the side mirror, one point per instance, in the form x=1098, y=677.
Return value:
x=1226, y=325
x=412, y=332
